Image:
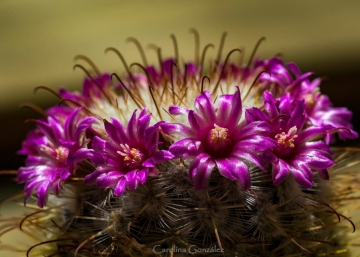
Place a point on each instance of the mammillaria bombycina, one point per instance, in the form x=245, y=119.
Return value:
x=297, y=152
x=217, y=139
x=53, y=151
x=137, y=147
x=183, y=159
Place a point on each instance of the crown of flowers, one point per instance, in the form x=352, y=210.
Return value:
x=235, y=143
x=267, y=115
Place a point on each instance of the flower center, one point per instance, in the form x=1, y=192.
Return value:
x=310, y=101
x=287, y=140
x=60, y=154
x=218, y=138
x=133, y=158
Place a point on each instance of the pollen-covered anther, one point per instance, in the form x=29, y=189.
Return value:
x=62, y=154
x=48, y=150
x=310, y=101
x=287, y=140
x=218, y=138
x=133, y=158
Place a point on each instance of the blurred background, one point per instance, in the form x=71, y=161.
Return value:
x=39, y=39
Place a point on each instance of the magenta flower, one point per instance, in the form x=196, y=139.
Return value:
x=90, y=90
x=217, y=138
x=129, y=156
x=277, y=78
x=53, y=150
x=321, y=113
x=319, y=109
x=296, y=152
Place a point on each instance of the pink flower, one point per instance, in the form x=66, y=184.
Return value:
x=217, y=139
x=53, y=150
x=129, y=156
x=297, y=153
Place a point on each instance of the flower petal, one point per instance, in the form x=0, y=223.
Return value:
x=204, y=107
x=162, y=155
x=242, y=173
x=300, y=177
x=236, y=108
x=256, y=127
x=149, y=163
x=177, y=110
x=177, y=128
x=80, y=155
x=285, y=104
x=202, y=173
x=270, y=105
x=234, y=169
x=107, y=180
x=42, y=193
x=120, y=187
x=143, y=124
x=280, y=171
x=132, y=128
x=142, y=175
x=81, y=128
x=255, y=114
x=251, y=157
x=311, y=133
x=223, y=111
x=297, y=116
x=70, y=122
x=201, y=158
x=306, y=171
x=116, y=131
x=185, y=148
x=132, y=179
x=193, y=121
x=91, y=178
x=226, y=168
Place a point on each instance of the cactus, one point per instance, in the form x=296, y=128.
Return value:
x=171, y=162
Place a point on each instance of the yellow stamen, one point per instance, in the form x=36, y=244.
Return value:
x=218, y=137
x=287, y=140
x=131, y=156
